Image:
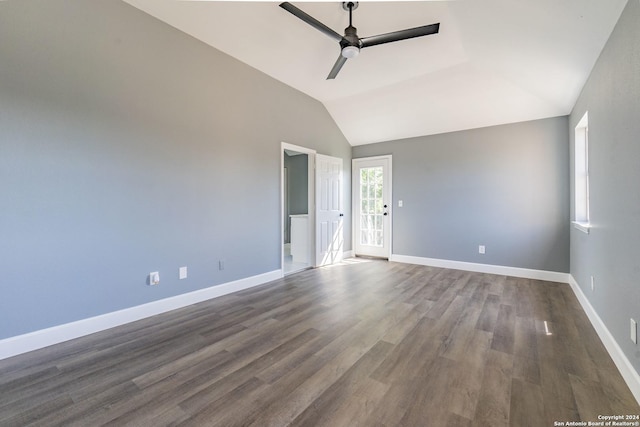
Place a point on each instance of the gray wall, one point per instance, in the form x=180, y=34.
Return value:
x=298, y=184
x=611, y=252
x=127, y=147
x=505, y=187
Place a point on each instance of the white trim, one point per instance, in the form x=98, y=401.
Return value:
x=623, y=364
x=374, y=158
x=581, y=171
x=347, y=254
x=582, y=226
x=45, y=337
x=551, y=276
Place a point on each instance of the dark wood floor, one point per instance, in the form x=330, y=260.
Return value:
x=367, y=343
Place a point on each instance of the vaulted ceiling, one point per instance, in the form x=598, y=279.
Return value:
x=493, y=61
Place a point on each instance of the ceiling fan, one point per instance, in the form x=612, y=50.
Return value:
x=350, y=43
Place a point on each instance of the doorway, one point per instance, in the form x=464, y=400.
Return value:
x=372, y=206
x=298, y=217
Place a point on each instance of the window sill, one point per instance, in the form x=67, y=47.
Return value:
x=582, y=226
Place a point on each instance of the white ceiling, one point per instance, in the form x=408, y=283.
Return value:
x=493, y=62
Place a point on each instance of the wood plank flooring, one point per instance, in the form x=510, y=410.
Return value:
x=364, y=343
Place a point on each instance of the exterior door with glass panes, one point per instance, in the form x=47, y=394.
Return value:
x=372, y=206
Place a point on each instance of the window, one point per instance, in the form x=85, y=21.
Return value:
x=581, y=174
x=371, y=211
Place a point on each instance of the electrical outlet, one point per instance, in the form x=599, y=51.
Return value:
x=221, y=264
x=481, y=249
x=400, y=203
x=182, y=272
x=154, y=278
x=634, y=331
x=593, y=284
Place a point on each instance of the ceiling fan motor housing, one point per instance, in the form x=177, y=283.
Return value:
x=350, y=43
x=350, y=37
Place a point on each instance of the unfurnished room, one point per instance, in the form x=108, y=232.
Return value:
x=377, y=213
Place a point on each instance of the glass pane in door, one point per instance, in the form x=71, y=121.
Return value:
x=371, y=206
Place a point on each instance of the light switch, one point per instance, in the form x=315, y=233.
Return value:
x=183, y=273
x=400, y=203
x=154, y=278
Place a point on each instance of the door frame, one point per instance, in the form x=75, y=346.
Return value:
x=355, y=195
x=311, y=197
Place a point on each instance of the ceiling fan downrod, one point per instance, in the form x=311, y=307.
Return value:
x=350, y=6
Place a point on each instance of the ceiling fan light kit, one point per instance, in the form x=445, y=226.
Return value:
x=350, y=51
x=350, y=43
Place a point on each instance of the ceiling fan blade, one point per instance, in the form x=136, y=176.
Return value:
x=310, y=20
x=400, y=35
x=336, y=67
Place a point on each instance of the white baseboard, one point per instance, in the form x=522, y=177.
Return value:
x=347, y=254
x=45, y=337
x=623, y=364
x=551, y=276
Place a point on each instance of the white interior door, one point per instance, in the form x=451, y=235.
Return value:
x=329, y=214
x=372, y=206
